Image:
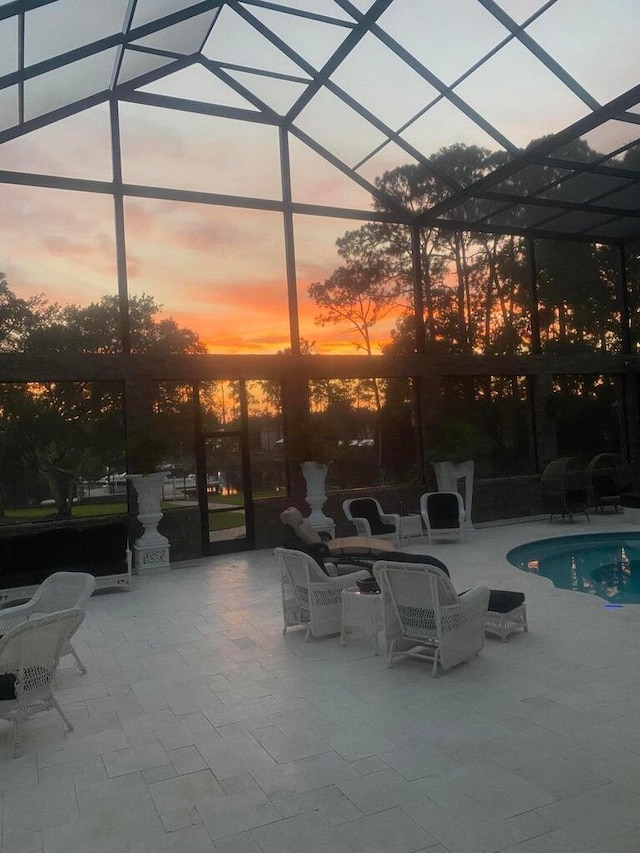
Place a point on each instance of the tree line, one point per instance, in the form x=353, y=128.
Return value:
x=52, y=433
x=475, y=286
x=475, y=293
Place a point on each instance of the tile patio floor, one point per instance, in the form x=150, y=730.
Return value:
x=199, y=728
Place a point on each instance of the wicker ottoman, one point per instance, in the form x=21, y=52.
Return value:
x=506, y=614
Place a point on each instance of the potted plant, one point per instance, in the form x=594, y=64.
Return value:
x=307, y=441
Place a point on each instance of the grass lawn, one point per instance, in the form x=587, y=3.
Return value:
x=238, y=497
x=38, y=513
x=225, y=520
x=217, y=520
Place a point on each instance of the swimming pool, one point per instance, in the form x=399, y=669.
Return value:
x=603, y=564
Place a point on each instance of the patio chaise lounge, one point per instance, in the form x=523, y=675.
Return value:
x=344, y=554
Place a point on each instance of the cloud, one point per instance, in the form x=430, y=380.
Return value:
x=202, y=243
x=198, y=152
x=78, y=146
x=218, y=270
x=56, y=242
x=245, y=343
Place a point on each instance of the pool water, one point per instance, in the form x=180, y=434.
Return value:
x=602, y=564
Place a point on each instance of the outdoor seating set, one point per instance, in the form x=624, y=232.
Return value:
x=35, y=635
x=442, y=514
x=362, y=583
x=417, y=608
x=569, y=488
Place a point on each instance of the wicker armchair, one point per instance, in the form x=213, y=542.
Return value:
x=610, y=477
x=369, y=519
x=309, y=597
x=426, y=618
x=29, y=655
x=443, y=514
x=60, y=591
x=564, y=489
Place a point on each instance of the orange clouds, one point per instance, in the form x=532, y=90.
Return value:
x=198, y=152
x=230, y=344
x=248, y=317
x=58, y=243
x=217, y=270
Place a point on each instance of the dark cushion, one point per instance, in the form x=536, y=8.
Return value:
x=17, y=555
x=106, y=543
x=104, y=570
x=99, y=550
x=366, y=508
x=424, y=559
x=29, y=577
x=8, y=682
x=504, y=601
x=54, y=549
x=443, y=511
x=7, y=687
x=604, y=485
x=318, y=550
x=367, y=561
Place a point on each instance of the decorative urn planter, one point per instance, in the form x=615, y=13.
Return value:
x=315, y=474
x=151, y=550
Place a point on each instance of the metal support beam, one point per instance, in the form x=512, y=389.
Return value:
x=533, y=296
x=289, y=243
x=625, y=302
x=121, y=250
x=418, y=300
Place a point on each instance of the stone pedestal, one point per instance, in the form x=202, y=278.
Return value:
x=315, y=474
x=149, y=560
x=151, y=550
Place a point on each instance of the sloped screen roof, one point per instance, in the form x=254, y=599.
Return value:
x=546, y=95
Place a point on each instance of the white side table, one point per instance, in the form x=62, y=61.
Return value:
x=361, y=611
x=410, y=527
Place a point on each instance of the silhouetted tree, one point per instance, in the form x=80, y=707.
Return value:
x=61, y=430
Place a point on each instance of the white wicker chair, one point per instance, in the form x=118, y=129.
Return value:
x=426, y=618
x=367, y=516
x=29, y=655
x=60, y=591
x=309, y=597
x=443, y=514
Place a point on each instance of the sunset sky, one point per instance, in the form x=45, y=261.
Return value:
x=221, y=270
